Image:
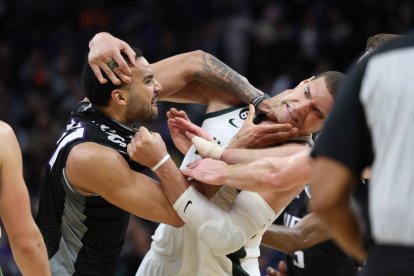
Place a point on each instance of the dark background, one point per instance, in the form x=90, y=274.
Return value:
x=275, y=44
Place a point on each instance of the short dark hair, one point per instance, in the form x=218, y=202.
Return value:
x=97, y=93
x=332, y=81
x=373, y=42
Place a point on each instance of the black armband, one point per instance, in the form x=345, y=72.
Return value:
x=259, y=99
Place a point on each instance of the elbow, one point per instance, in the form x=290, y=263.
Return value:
x=178, y=224
x=29, y=246
x=195, y=61
x=273, y=181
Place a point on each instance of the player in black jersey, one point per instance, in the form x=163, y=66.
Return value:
x=310, y=250
x=91, y=184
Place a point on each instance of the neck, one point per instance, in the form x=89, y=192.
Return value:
x=113, y=113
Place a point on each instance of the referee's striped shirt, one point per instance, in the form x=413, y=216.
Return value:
x=372, y=122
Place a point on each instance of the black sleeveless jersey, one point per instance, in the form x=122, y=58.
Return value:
x=324, y=259
x=84, y=235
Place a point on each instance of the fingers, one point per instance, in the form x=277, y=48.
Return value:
x=193, y=164
x=282, y=267
x=129, y=52
x=271, y=271
x=189, y=135
x=97, y=71
x=251, y=113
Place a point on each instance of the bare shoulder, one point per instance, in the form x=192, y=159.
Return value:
x=6, y=132
x=8, y=141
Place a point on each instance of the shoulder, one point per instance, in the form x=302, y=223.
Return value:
x=89, y=164
x=6, y=132
x=91, y=153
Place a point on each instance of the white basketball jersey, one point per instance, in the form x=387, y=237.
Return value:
x=179, y=251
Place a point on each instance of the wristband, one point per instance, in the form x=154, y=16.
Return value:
x=259, y=99
x=162, y=161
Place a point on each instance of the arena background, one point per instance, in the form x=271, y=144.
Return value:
x=274, y=44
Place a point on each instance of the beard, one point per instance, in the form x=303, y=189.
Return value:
x=139, y=112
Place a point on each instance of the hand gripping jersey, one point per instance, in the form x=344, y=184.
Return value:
x=83, y=234
x=324, y=259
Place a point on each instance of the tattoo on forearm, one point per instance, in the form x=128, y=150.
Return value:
x=220, y=76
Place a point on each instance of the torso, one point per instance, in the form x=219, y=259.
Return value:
x=83, y=234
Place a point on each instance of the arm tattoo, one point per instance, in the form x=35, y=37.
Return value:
x=218, y=75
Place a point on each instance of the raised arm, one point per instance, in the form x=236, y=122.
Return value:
x=308, y=232
x=29, y=250
x=177, y=72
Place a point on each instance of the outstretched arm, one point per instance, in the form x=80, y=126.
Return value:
x=28, y=247
x=267, y=174
x=177, y=72
x=308, y=232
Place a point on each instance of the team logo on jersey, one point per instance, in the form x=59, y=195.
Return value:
x=242, y=115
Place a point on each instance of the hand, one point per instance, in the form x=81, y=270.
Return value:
x=180, y=140
x=273, y=272
x=181, y=122
x=103, y=48
x=262, y=135
x=267, y=107
x=208, y=171
x=146, y=148
x=206, y=149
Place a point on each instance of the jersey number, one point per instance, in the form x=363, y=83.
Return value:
x=299, y=259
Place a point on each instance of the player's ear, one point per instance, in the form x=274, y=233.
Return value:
x=307, y=80
x=119, y=96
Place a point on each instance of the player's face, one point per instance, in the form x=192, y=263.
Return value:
x=143, y=90
x=305, y=106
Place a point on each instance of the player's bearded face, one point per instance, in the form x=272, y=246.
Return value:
x=141, y=110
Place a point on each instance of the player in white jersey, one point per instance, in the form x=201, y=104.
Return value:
x=185, y=251
x=178, y=251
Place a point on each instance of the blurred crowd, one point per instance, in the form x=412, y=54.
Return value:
x=274, y=43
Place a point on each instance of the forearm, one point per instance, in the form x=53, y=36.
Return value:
x=216, y=74
x=248, y=176
x=29, y=252
x=207, y=190
x=345, y=230
x=234, y=156
x=282, y=238
x=172, y=181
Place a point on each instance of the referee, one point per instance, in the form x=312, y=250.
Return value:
x=372, y=123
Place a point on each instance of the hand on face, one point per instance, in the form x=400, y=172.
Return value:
x=262, y=135
x=205, y=170
x=146, y=148
x=105, y=52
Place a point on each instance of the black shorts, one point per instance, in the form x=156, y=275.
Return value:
x=389, y=260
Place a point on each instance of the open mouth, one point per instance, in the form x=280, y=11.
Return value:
x=154, y=99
